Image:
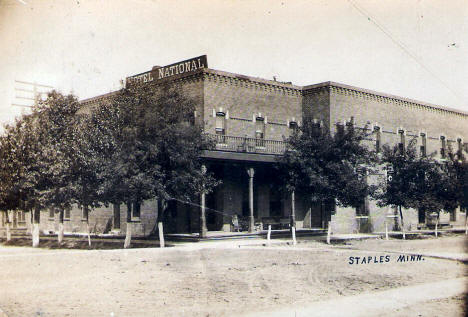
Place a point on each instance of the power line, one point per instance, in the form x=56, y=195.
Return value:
x=403, y=47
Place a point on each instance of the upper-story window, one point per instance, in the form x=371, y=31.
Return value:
x=423, y=148
x=378, y=135
x=339, y=128
x=459, y=147
x=443, y=147
x=293, y=126
x=259, y=128
x=402, y=143
x=220, y=126
x=350, y=125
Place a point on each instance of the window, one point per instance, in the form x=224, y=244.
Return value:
x=377, y=138
x=350, y=125
x=363, y=209
x=443, y=147
x=220, y=123
x=84, y=214
x=136, y=211
x=401, y=144
x=21, y=216
x=316, y=127
x=423, y=149
x=339, y=128
x=260, y=131
x=51, y=213
x=293, y=126
x=116, y=216
x=459, y=148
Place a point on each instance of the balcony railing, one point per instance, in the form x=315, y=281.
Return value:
x=247, y=145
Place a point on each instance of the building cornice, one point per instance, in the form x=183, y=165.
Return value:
x=251, y=82
x=239, y=80
x=389, y=98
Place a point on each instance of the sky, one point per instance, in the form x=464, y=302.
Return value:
x=411, y=48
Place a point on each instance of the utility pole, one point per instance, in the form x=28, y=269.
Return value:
x=29, y=91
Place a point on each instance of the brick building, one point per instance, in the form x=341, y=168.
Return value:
x=250, y=118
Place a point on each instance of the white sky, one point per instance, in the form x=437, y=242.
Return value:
x=88, y=46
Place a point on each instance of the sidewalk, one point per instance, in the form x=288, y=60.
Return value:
x=372, y=304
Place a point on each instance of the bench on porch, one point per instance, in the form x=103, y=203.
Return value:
x=275, y=222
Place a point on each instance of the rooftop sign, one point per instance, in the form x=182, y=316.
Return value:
x=157, y=73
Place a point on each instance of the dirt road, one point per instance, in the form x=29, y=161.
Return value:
x=217, y=280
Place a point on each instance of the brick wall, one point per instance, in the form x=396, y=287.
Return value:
x=243, y=99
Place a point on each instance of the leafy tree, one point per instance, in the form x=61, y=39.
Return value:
x=418, y=182
x=55, y=118
x=22, y=161
x=328, y=166
x=156, y=149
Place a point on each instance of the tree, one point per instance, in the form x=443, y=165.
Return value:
x=156, y=149
x=418, y=182
x=55, y=118
x=25, y=165
x=328, y=167
x=36, y=152
x=456, y=170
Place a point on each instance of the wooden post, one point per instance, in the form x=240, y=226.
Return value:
x=293, y=230
x=269, y=234
x=436, y=225
x=203, y=228
x=329, y=232
x=251, y=173
x=161, y=235
x=466, y=221
x=386, y=229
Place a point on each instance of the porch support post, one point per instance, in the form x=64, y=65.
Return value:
x=251, y=173
x=293, y=209
x=203, y=228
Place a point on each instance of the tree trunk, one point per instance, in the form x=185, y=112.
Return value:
x=293, y=210
x=8, y=229
x=402, y=224
x=203, y=228
x=436, y=226
x=161, y=235
x=128, y=234
x=35, y=230
x=158, y=216
x=60, y=231
x=86, y=215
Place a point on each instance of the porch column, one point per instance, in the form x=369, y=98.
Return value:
x=203, y=228
x=293, y=209
x=251, y=173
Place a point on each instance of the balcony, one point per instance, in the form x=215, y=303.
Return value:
x=237, y=144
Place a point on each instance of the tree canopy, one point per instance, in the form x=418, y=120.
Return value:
x=328, y=166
